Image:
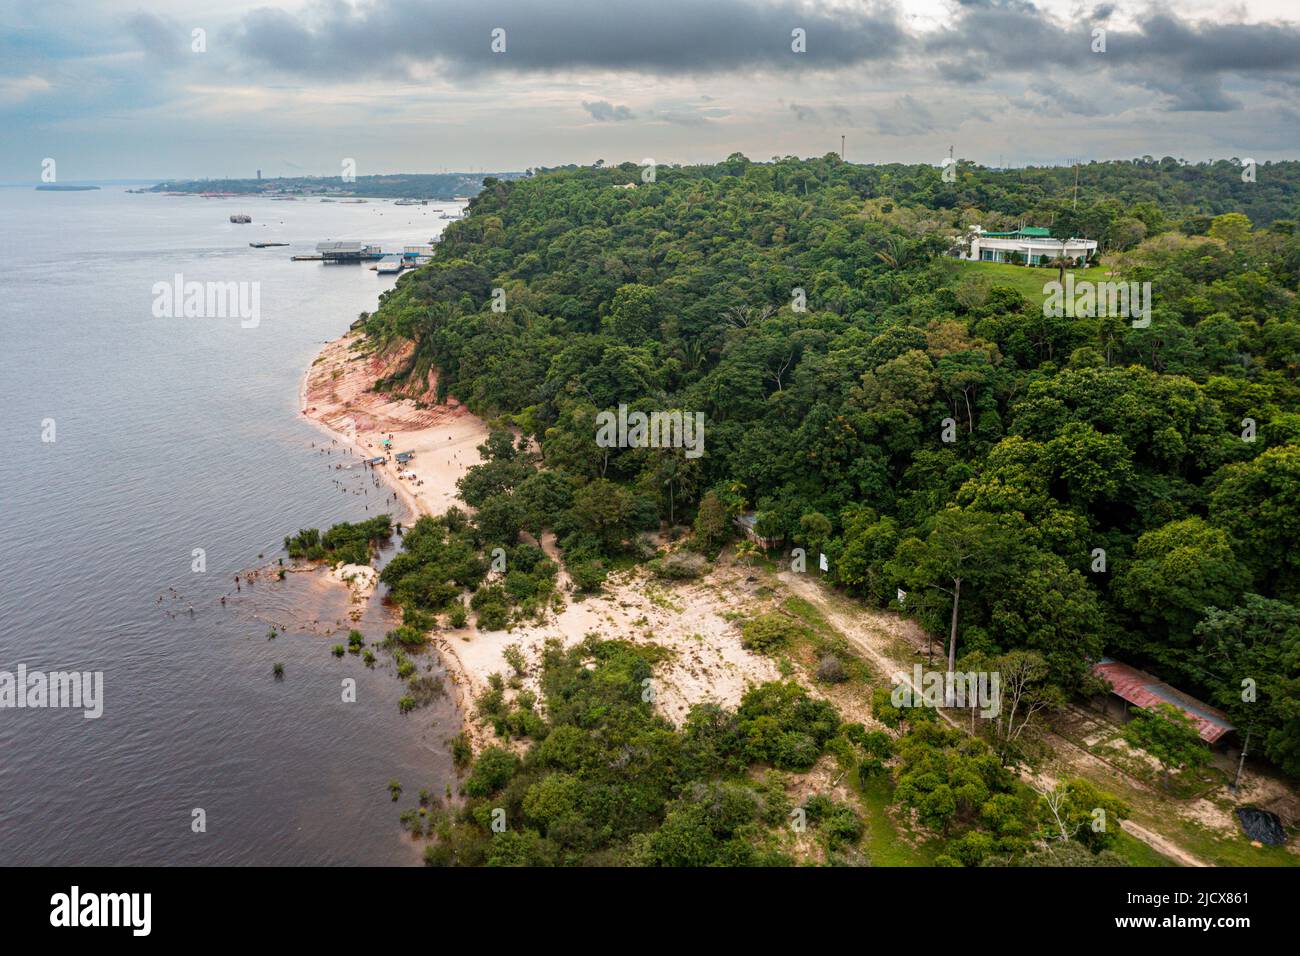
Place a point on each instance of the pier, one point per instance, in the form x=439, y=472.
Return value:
x=347, y=252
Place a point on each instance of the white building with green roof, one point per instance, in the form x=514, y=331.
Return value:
x=1031, y=245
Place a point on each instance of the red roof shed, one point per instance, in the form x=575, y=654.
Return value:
x=1143, y=690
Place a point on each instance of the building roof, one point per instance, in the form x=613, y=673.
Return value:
x=1028, y=232
x=1143, y=690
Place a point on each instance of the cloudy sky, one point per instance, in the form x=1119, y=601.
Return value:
x=114, y=89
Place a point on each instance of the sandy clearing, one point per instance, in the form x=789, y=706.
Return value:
x=708, y=662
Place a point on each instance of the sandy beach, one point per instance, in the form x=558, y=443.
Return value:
x=695, y=621
x=336, y=395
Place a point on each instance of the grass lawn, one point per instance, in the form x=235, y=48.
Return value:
x=1137, y=853
x=885, y=843
x=1027, y=280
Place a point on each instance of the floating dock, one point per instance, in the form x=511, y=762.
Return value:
x=385, y=262
x=348, y=251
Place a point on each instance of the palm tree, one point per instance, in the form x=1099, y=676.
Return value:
x=1060, y=262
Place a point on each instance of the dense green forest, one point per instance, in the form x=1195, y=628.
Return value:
x=1079, y=486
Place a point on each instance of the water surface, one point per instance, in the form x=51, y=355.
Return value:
x=172, y=435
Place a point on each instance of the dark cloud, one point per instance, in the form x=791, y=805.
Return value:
x=1058, y=99
x=1185, y=62
x=984, y=41
x=333, y=39
x=604, y=112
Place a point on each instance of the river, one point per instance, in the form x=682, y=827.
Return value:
x=171, y=435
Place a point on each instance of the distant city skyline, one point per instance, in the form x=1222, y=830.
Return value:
x=126, y=90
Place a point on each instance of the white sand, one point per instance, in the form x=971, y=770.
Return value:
x=707, y=661
x=445, y=438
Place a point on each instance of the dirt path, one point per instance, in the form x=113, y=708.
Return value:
x=1160, y=844
x=870, y=631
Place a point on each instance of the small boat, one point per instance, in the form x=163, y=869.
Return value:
x=241, y=218
x=266, y=245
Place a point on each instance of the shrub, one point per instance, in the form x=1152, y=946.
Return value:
x=767, y=632
x=883, y=709
x=877, y=743
x=461, y=751
x=679, y=566
x=514, y=656
x=457, y=615
x=493, y=770
x=841, y=825
x=830, y=670
x=588, y=576
x=493, y=617
x=405, y=635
